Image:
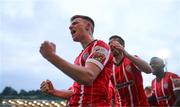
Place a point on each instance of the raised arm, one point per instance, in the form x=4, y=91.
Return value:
x=141, y=64
x=84, y=75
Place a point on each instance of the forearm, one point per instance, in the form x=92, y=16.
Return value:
x=65, y=94
x=142, y=65
x=78, y=73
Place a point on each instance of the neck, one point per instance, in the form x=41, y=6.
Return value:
x=118, y=59
x=86, y=41
x=160, y=75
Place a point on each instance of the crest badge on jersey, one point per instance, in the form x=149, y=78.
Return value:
x=165, y=85
x=128, y=68
x=85, y=55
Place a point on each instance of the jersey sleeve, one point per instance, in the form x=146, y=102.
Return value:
x=71, y=88
x=175, y=82
x=136, y=67
x=100, y=54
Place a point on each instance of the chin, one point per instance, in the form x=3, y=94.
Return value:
x=75, y=40
x=115, y=54
x=154, y=73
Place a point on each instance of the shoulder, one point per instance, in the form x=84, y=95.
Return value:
x=171, y=74
x=102, y=43
x=101, y=47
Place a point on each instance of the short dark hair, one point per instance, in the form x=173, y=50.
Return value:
x=120, y=39
x=161, y=61
x=86, y=18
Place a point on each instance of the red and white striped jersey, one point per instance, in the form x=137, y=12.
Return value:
x=98, y=53
x=164, y=89
x=129, y=83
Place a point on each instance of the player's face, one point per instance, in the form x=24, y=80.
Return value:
x=77, y=29
x=112, y=43
x=156, y=66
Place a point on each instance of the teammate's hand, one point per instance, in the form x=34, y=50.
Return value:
x=118, y=46
x=47, y=87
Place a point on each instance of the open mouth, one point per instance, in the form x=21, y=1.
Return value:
x=73, y=31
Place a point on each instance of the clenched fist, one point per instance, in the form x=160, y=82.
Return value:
x=47, y=87
x=47, y=49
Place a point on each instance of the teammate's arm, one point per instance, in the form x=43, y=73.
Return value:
x=141, y=64
x=47, y=87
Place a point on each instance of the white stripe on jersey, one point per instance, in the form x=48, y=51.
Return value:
x=156, y=90
x=162, y=89
x=81, y=97
x=115, y=83
x=129, y=87
x=82, y=86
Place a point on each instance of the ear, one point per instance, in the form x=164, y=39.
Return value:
x=88, y=26
x=162, y=66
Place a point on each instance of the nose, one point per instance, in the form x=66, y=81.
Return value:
x=112, y=48
x=70, y=27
